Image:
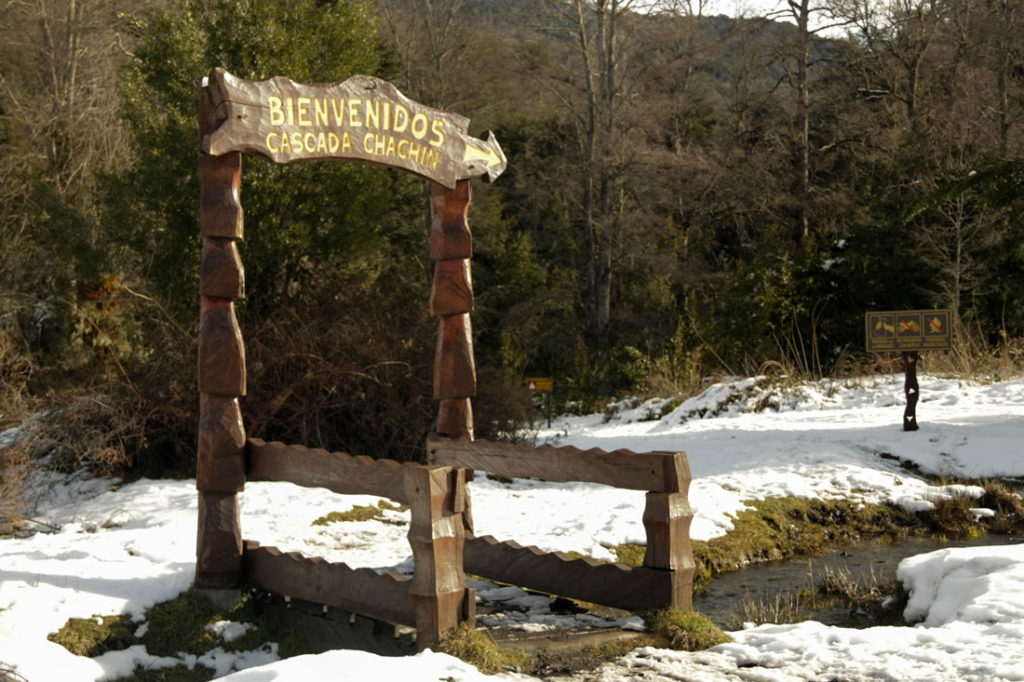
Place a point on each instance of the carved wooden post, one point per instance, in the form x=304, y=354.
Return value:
x=436, y=498
x=451, y=299
x=667, y=518
x=911, y=390
x=220, y=468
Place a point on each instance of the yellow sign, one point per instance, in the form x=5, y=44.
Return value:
x=540, y=384
x=908, y=330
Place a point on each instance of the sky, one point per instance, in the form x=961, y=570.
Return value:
x=112, y=549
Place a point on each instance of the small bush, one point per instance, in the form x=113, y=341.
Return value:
x=479, y=649
x=94, y=636
x=683, y=630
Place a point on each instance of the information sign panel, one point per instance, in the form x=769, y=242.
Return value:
x=540, y=384
x=908, y=330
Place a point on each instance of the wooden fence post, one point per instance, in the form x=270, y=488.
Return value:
x=220, y=457
x=436, y=498
x=451, y=299
x=667, y=518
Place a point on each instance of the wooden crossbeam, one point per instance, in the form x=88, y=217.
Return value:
x=578, y=578
x=361, y=590
x=666, y=472
x=317, y=468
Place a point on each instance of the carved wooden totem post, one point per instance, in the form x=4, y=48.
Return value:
x=451, y=299
x=220, y=469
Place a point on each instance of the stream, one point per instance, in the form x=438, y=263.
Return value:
x=774, y=585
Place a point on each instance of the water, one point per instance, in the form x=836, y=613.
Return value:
x=777, y=583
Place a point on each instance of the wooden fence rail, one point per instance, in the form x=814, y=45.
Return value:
x=434, y=600
x=666, y=577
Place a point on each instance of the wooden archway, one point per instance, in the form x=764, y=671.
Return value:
x=368, y=120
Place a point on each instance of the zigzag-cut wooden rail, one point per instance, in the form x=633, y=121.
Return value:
x=434, y=600
x=666, y=577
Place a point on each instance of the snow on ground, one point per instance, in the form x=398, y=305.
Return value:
x=124, y=550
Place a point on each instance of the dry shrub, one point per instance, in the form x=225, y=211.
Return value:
x=16, y=370
x=502, y=407
x=16, y=494
x=9, y=674
x=92, y=432
x=344, y=372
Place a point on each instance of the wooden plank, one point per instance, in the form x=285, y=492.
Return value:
x=555, y=573
x=449, y=229
x=361, y=118
x=436, y=499
x=360, y=590
x=619, y=468
x=220, y=457
x=221, y=274
x=452, y=290
x=454, y=366
x=336, y=471
x=219, y=546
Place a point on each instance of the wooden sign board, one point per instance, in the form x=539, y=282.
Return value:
x=540, y=384
x=362, y=118
x=908, y=330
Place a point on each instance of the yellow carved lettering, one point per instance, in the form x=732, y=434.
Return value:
x=302, y=104
x=419, y=126
x=309, y=139
x=391, y=146
x=297, y=142
x=338, y=109
x=368, y=143
x=271, y=137
x=401, y=119
x=387, y=115
x=353, y=113
x=373, y=113
x=346, y=142
x=403, y=149
x=321, y=142
x=289, y=111
x=437, y=128
x=320, y=113
x=276, y=112
x=286, y=144
x=333, y=142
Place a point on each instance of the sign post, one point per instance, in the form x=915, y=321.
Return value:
x=908, y=331
x=544, y=385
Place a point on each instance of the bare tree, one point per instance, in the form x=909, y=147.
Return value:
x=812, y=18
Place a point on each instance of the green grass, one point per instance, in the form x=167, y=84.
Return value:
x=786, y=527
x=360, y=512
x=95, y=636
x=477, y=648
x=174, y=628
x=683, y=630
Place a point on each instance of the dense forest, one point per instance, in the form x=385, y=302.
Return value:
x=687, y=195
